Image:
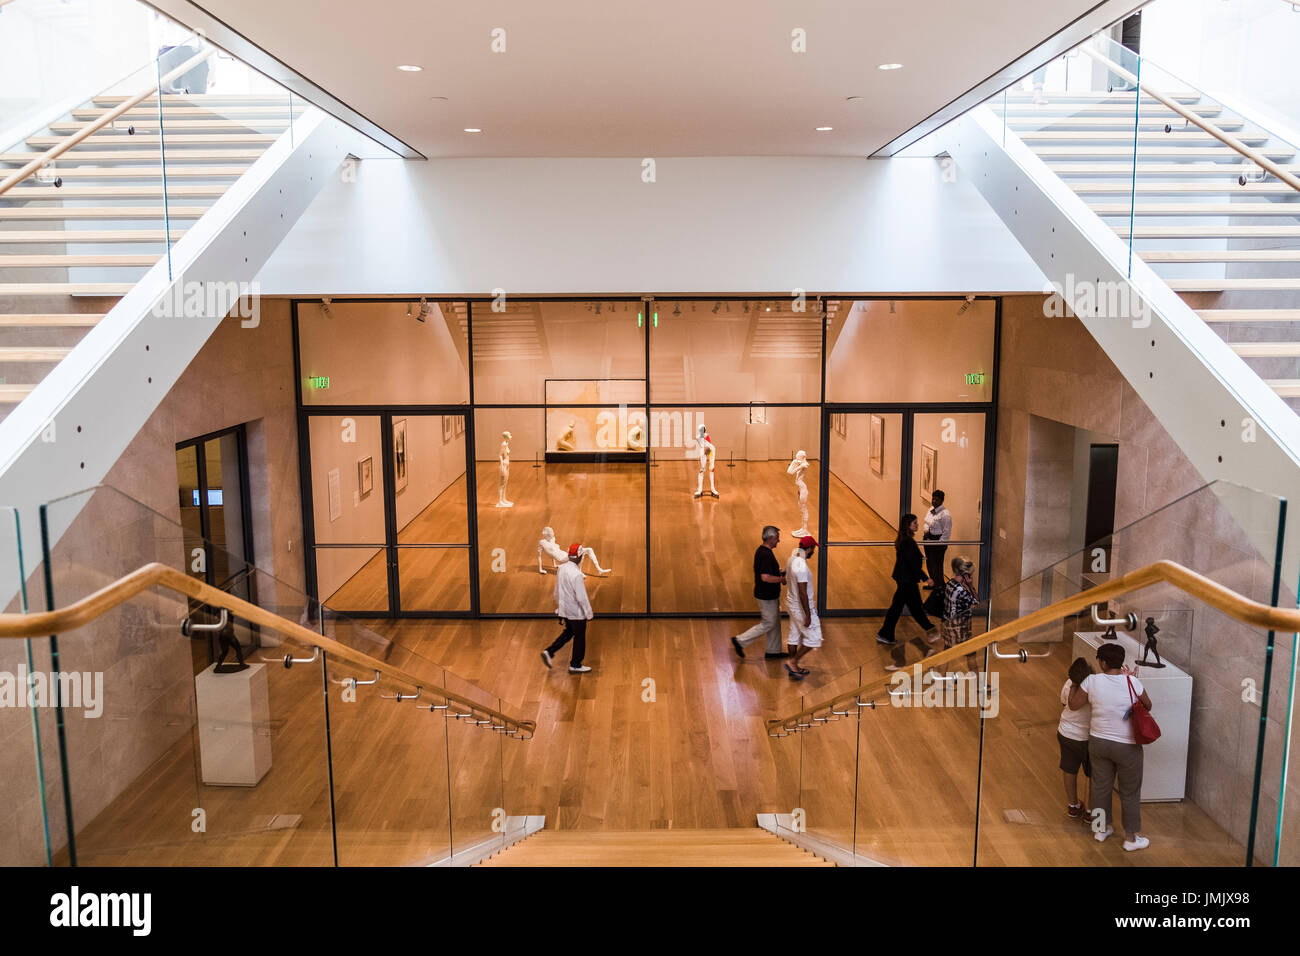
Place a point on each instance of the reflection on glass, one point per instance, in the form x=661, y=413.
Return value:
x=347, y=459
x=721, y=351
x=353, y=578
x=433, y=578
x=866, y=470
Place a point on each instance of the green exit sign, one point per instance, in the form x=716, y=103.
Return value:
x=318, y=381
x=974, y=378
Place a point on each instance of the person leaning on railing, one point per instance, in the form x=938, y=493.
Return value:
x=1113, y=751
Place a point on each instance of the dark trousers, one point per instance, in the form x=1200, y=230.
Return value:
x=575, y=631
x=909, y=596
x=934, y=554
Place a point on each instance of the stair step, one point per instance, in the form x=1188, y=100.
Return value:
x=1150, y=153
x=61, y=236
x=1285, y=387
x=190, y=110
x=1220, y=255
x=1084, y=127
x=65, y=288
x=36, y=320
x=146, y=172
x=33, y=355
x=1249, y=315
x=76, y=261
x=13, y=394
x=1157, y=186
x=152, y=139
x=1121, y=136
x=1067, y=110
x=1186, y=99
x=1234, y=285
x=1266, y=349
x=201, y=99
x=143, y=126
x=1211, y=231
x=135, y=191
x=136, y=156
x=1228, y=171
x=1199, y=209
x=100, y=212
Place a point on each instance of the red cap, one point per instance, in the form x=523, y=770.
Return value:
x=575, y=549
x=807, y=542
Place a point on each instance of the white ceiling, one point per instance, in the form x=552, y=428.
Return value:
x=662, y=78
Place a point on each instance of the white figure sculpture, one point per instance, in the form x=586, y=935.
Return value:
x=636, y=438
x=708, y=453
x=559, y=556
x=567, y=442
x=504, y=457
x=797, y=468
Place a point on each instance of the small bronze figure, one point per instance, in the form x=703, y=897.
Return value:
x=1152, y=630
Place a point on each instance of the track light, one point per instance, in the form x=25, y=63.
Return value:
x=970, y=300
x=425, y=309
x=891, y=306
x=747, y=308
x=716, y=307
x=598, y=308
x=677, y=308
x=325, y=307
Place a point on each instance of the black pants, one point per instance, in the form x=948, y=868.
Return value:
x=934, y=554
x=909, y=596
x=575, y=631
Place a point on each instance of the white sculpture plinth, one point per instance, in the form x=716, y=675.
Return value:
x=234, y=726
x=1164, y=763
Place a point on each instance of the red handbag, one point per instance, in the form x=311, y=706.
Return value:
x=1145, y=728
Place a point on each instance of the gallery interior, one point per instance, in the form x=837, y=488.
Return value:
x=315, y=390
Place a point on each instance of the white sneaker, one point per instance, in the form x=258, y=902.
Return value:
x=1101, y=837
x=546, y=658
x=1141, y=843
x=580, y=669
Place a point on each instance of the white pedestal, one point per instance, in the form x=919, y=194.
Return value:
x=1164, y=763
x=234, y=726
x=758, y=442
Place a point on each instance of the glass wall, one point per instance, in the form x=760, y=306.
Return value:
x=660, y=435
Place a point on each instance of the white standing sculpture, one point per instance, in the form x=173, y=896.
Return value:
x=797, y=468
x=636, y=437
x=567, y=442
x=708, y=454
x=559, y=556
x=504, y=457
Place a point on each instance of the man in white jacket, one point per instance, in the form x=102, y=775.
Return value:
x=574, y=610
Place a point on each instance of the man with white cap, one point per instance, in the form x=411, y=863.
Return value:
x=801, y=603
x=574, y=610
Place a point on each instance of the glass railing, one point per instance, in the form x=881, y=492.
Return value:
x=946, y=765
x=298, y=759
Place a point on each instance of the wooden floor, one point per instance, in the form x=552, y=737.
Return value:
x=700, y=549
x=737, y=847
x=614, y=753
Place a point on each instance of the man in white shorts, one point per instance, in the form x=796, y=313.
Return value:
x=801, y=602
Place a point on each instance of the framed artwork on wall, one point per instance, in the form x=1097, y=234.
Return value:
x=929, y=469
x=876, y=446
x=458, y=421
x=448, y=428
x=335, y=494
x=366, y=475
x=399, y=454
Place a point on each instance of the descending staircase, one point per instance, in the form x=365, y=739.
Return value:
x=1221, y=233
x=728, y=847
x=79, y=233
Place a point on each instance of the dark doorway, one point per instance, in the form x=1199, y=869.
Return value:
x=1099, y=519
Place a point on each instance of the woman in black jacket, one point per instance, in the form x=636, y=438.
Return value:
x=909, y=573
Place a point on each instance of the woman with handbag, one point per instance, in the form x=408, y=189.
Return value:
x=1120, y=724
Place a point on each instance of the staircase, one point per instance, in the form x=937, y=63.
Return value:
x=1219, y=231
x=727, y=847
x=80, y=232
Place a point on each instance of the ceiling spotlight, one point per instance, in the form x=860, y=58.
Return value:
x=767, y=309
x=408, y=68
x=970, y=300
x=325, y=307
x=890, y=66
x=472, y=129
x=677, y=308
x=716, y=307
x=425, y=309
x=747, y=308
x=598, y=308
x=891, y=306
x=824, y=129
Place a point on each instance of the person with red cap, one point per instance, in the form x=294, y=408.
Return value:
x=574, y=610
x=801, y=603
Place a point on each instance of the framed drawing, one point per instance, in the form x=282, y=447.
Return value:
x=448, y=428
x=876, y=446
x=366, y=475
x=844, y=424
x=399, y=454
x=929, y=469
x=335, y=494
x=459, y=422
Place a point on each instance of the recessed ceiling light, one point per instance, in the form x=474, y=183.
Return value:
x=408, y=68
x=824, y=129
x=472, y=129
x=890, y=66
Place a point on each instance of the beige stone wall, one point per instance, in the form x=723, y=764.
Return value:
x=241, y=376
x=1055, y=379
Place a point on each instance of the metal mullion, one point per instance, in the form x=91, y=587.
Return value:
x=390, y=512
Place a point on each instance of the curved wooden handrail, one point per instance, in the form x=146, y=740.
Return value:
x=93, y=606
x=1227, y=139
x=94, y=126
x=1198, y=586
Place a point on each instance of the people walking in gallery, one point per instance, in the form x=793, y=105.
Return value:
x=574, y=610
x=1072, y=735
x=908, y=574
x=768, y=578
x=938, y=527
x=801, y=603
x=1114, y=753
x=959, y=599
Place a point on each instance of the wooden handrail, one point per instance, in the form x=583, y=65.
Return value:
x=1227, y=139
x=93, y=606
x=1198, y=586
x=94, y=126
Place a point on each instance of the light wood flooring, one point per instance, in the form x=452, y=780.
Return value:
x=752, y=847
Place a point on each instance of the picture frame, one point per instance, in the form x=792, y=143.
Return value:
x=399, y=454
x=334, y=484
x=366, y=475
x=448, y=429
x=929, y=471
x=876, y=446
x=458, y=421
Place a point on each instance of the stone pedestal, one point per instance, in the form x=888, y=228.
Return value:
x=234, y=712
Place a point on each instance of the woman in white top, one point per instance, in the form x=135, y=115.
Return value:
x=1072, y=736
x=1115, y=755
